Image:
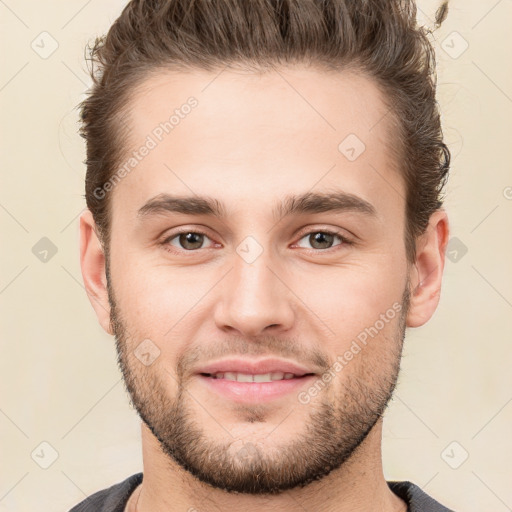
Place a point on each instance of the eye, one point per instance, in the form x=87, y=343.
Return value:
x=322, y=240
x=186, y=240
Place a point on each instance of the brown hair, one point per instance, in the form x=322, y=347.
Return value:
x=381, y=38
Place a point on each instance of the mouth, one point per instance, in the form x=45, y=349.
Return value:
x=258, y=377
x=255, y=388
x=245, y=380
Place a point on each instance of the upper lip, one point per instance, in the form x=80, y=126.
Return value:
x=254, y=367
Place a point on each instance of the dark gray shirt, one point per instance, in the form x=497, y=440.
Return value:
x=114, y=498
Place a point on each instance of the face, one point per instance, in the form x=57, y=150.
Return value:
x=259, y=237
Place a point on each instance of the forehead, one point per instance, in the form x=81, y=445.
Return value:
x=234, y=134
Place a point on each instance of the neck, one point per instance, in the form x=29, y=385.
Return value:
x=359, y=485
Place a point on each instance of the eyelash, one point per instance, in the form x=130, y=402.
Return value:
x=344, y=240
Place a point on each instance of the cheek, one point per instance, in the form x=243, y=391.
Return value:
x=163, y=305
x=350, y=298
x=155, y=299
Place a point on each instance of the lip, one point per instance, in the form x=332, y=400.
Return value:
x=255, y=392
x=255, y=367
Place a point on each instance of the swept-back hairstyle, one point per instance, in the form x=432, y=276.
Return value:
x=380, y=38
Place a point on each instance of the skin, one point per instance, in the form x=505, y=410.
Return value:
x=252, y=140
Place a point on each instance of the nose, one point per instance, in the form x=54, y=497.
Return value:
x=253, y=298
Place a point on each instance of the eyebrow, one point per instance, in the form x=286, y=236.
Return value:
x=291, y=205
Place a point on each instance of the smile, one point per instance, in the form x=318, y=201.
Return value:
x=248, y=377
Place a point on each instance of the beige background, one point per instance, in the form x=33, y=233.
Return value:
x=59, y=379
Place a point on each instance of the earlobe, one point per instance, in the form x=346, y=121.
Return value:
x=92, y=263
x=427, y=272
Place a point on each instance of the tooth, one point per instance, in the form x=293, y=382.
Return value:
x=244, y=377
x=262, y=377
x=247, y=377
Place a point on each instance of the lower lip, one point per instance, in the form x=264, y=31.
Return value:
x=255, y=391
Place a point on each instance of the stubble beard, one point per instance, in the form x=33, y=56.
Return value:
x=327, y=439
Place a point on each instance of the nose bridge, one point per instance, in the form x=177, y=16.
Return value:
x=253, y=298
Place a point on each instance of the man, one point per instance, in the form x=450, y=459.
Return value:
x=264, y=221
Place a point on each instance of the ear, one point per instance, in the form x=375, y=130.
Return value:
x=427, y=271
x=92, y=263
